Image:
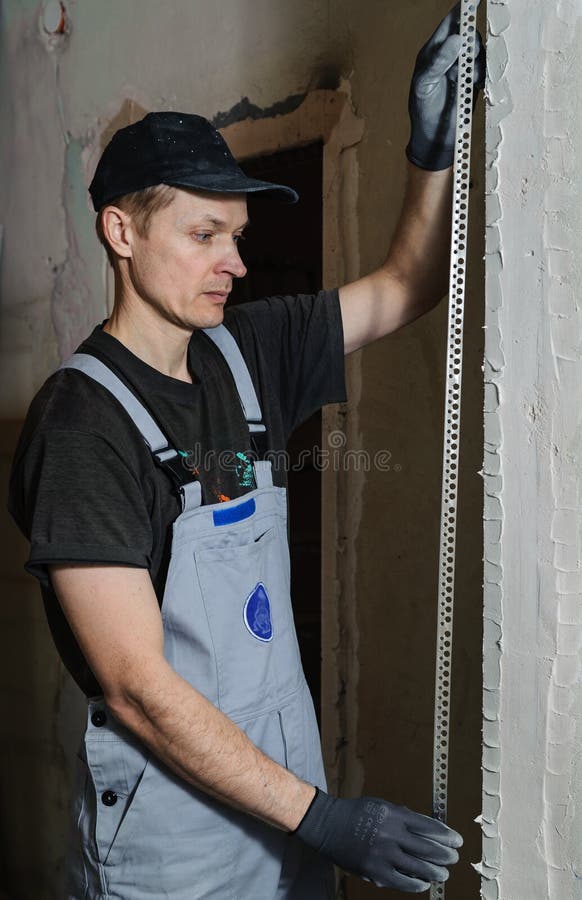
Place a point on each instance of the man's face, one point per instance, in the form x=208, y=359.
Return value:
x=185, y=266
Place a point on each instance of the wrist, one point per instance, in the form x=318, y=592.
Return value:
x=307, y=811
x=300, y=803
x=313, y=828
x=433, y=162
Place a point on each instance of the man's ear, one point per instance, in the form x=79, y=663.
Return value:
x=116, y=226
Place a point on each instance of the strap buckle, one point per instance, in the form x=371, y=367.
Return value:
x=172, y=463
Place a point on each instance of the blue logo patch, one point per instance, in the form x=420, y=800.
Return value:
x=257, y=613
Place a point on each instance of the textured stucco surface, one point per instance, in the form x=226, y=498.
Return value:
x=62, y=96
x=533, y=578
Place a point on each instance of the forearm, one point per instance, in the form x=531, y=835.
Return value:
x=205, y=748
x=419, y=251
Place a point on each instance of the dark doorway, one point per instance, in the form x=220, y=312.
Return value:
x=283, y=254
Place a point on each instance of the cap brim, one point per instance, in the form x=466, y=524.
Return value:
x=226, y=183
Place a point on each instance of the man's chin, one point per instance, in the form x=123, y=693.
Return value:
x=211, y=318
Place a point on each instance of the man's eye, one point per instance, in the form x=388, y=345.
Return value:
x=202, y=237
x=238, y=237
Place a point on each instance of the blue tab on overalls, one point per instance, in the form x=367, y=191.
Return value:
x=234, y=513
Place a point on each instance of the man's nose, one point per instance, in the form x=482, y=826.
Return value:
x=234, y=265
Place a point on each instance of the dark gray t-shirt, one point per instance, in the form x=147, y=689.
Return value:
x=84, y=486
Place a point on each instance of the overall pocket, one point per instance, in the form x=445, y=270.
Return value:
x=116, y=768
x=245, y=592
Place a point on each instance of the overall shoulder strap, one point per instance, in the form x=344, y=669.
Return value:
x=155, y=439
x=90, y=365
x=229, y=348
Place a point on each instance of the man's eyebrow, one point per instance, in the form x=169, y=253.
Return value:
x=218, y=223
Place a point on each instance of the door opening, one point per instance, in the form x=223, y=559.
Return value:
x=283, y=255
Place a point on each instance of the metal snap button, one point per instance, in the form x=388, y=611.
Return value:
x=99, y=718
x=109, y=798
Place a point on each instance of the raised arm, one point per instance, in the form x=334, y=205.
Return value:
x=414, y=276
x=114, y=614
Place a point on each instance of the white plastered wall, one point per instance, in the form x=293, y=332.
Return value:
x=533, y=454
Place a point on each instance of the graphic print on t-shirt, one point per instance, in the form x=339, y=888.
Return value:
x=244, y=471
x=238, y=463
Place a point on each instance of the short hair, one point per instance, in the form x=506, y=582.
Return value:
x=140, y=205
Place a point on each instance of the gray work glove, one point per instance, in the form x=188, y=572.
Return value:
x=432, y=101
x=386, y=844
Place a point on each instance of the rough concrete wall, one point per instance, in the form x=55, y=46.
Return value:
x=533, y=576
x=62, y=95
x=391, y=543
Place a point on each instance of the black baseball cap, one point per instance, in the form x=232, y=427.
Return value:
x=180, y=149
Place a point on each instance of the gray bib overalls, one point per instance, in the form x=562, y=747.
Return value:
x=139, y=830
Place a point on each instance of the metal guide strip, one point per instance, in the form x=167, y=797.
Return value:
x=452, y=421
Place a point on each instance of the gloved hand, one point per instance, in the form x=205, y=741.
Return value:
x=386, y=844
x=433, y=94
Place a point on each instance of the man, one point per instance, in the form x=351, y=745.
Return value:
x=166, y=583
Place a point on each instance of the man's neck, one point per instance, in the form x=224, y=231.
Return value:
x=154, y=340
